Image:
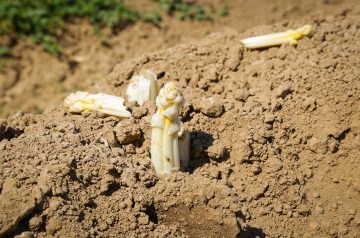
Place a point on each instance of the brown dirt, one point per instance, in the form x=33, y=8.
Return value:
x=33, y=79
x=276, y=154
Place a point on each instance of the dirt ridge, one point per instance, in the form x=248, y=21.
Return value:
x=268, y=155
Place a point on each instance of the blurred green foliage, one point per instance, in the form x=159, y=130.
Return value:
x=185, y=10
x=42, y=19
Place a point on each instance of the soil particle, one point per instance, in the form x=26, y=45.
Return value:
x=106, y=182
x=211, y=107
x=52, y=226
x=259, y=191
x=278, y=207
x=139, y=112
x=234, y=57
x=309, y=104
x=17, y=204
x=317, y=145
x=143, y=220
x=8, y=185
x=256, y=169
x=25, y=234
x=316, y=195
x=216, y=151
x=283, y=90
x=127, y=131
x=35, y=223
x=273, y=165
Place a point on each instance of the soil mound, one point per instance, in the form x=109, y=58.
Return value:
x=31, y=79
x=274, y=147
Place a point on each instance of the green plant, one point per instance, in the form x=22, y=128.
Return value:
x=224, y=10
x=185, y=10
x=41, y=19
x=44, y=20
x=4, y=50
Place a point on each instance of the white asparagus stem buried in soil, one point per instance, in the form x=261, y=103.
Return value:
x=100, y=102
x=184, y=149
x=142, y=87
x=165, y=123
x=289, y=36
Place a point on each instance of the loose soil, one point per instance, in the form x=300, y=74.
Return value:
x=274, y=146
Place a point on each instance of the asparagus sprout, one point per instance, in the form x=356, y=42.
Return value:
x=142, y=87
x=165, y=123
x=289, y=36
x=184, y=148
x=100, y=102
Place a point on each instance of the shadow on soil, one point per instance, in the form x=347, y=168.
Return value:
x=199, y=144
x=200, y=141
x=249, y=231
x=8, y=133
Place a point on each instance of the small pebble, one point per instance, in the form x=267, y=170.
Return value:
x=256, y=169
x=278, y=208
x=114, y=160
x=144, y=220
x=211, y=107
x=53, y=225
x=308, y=173
x=103, y=226
x=283, y=90
x=319, y=210
x=352, y=212
x=314, y=226
x=316, y=195
x=127, y=131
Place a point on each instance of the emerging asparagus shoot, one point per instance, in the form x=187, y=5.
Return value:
x=184, y=148
x=165, y=124
x=100, y=102
x=289, y=36
x=142, y=87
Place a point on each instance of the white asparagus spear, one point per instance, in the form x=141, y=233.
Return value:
x=289, y=36
x=142, y=87
x=165, y=147
x=100, y=102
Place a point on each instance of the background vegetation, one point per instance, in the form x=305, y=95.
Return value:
x=43, y=20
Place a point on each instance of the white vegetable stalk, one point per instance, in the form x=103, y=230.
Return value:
x=165, y=123
x=289, y=36
x=100, y=102
x=184, y=148
x=142, y=87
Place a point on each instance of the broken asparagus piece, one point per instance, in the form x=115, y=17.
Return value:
x=165, y=124
x=100, y=102
x=289, y=36
x=142, y=87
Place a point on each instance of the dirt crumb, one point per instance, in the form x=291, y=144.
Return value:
x=211, y=107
